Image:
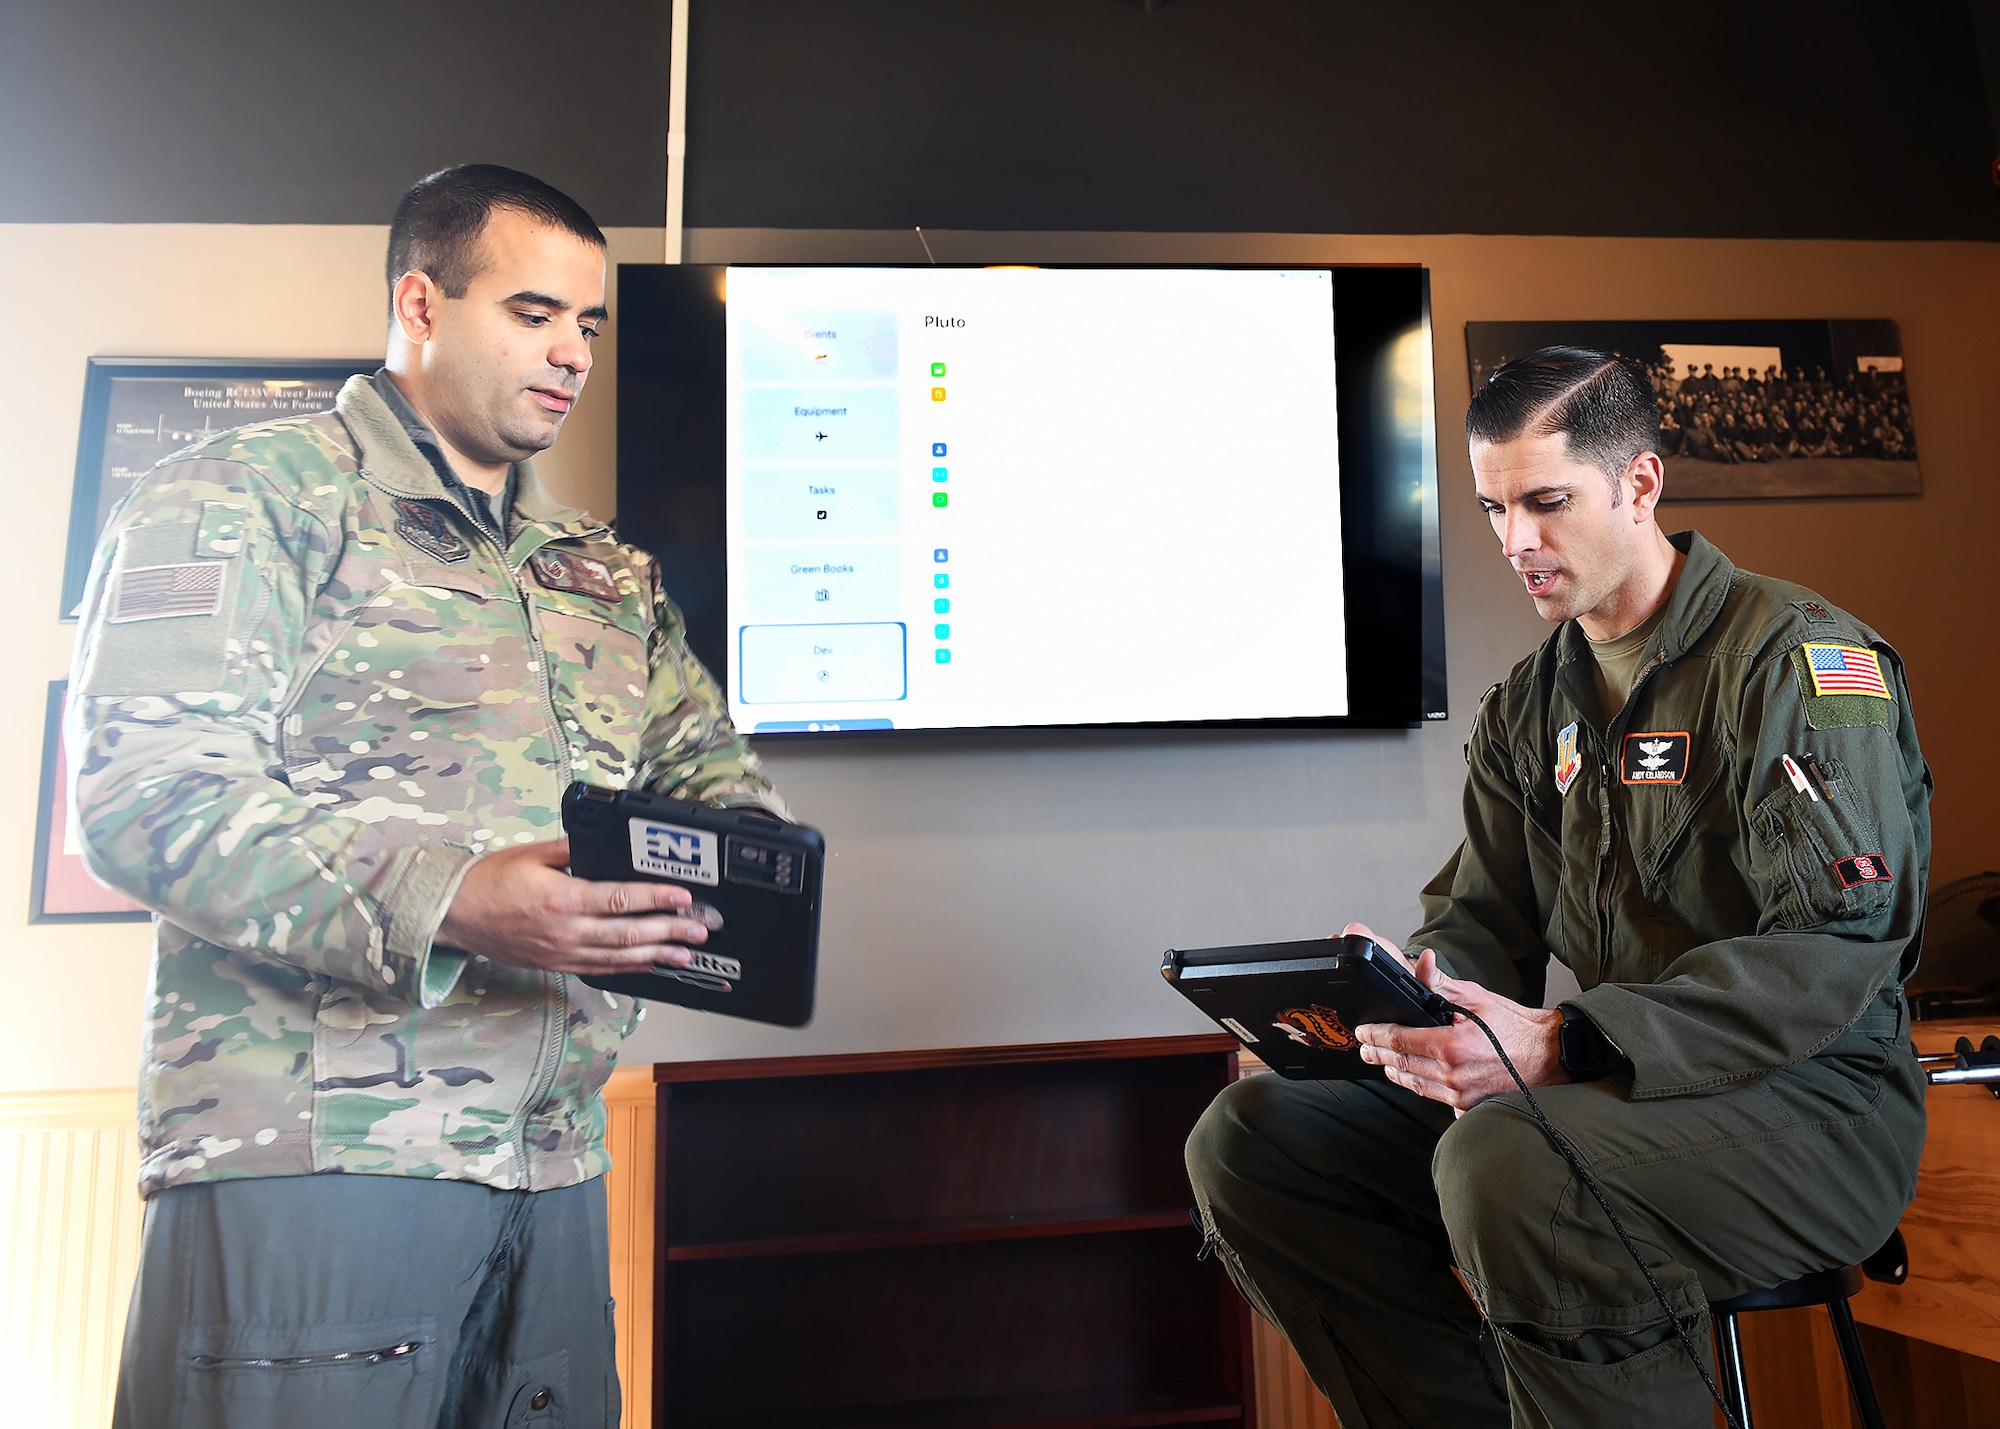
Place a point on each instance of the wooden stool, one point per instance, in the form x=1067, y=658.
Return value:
x=1830, y=1288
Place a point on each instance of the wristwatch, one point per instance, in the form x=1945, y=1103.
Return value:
x=1585, y=1052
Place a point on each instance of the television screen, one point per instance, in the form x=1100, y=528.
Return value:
x=929, y=498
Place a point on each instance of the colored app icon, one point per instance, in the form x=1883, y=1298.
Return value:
x=941, y=605
x=944, y=657
x=937, y=448
x=940, y=498
x=940, y=473
x=940, y=555
x=937, y=369
x=943, y=632
x=937, y=394
x=941, y=580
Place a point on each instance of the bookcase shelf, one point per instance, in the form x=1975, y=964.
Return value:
x=977, y=1237
x=945, y=1232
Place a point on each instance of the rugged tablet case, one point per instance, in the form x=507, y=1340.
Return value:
x=761, y=874
x=1296, y=1005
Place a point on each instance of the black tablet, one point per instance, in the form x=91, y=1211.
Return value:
x=1296, y=1004
x=755, y=879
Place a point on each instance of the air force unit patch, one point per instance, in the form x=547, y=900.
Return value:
x=429, y=532
x=1568, y=761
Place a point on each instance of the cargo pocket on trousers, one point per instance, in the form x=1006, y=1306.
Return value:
x=335, y=1376
x=541, y=1393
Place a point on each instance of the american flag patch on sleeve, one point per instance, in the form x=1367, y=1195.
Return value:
x=157, y=592
x=1846, y=670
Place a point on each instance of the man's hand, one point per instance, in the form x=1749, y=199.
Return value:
x=1456, y=1064
x=518, y=906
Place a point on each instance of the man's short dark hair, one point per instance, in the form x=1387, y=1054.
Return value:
x=1603, y=405
x=437, y=225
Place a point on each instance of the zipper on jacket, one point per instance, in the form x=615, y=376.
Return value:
x=559, y=739
x=555, y=1029
x=553, y=1034
x=1607, y=866
x=385, y=1355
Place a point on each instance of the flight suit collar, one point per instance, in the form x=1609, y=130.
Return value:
x=391, y=460
x=1692, y=607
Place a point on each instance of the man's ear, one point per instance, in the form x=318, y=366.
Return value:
x=414, y=305
x=1646, y=474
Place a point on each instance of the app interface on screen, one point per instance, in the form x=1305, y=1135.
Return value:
x=1004, y=496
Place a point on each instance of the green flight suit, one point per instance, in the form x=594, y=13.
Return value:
x=1740, y=941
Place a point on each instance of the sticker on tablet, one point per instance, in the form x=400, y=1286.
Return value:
x=715, y=964
x=1316, y=1026
x=673, y=851
x=707, y=982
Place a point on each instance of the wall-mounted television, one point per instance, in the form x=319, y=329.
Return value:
x=963, y=498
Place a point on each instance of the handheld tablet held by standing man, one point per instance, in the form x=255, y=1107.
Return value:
x=1704, y=795
x=333, y=676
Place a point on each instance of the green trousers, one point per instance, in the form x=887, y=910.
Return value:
x=1341, y=1208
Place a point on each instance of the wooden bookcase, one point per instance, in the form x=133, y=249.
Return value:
x=978, y=1237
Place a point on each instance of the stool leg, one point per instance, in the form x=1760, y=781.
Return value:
x=1857, y=1364
x=1729, y=1369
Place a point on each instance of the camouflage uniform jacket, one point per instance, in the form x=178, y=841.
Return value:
x=308, y=694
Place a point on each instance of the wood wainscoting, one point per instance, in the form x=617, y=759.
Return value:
x=630, y=1134
x=69, y=1247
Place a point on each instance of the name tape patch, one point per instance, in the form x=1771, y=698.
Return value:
x=160, y=592
x=671, y=851
x=580, y=575
x=1862, y=868
x=1654, y=758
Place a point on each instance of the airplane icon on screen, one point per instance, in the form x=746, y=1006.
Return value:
x=819, y=436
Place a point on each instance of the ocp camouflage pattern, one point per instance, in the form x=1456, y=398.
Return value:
x=297, y=783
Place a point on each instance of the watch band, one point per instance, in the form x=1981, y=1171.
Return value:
x=1585, y=1054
